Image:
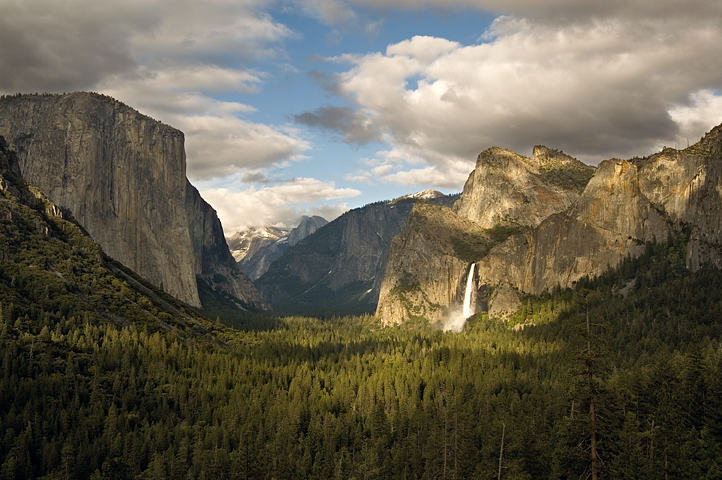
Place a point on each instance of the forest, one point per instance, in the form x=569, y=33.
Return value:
x=84, y=397
x=105, y=376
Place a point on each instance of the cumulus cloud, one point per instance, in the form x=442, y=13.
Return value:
x=553, y=10
x=703, y=111
x=221, y=146
x=218, y=141
x=166, y=59
x=280, y=205
x=73, y=45
x=596, y=84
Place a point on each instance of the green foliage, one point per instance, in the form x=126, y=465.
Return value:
x=322, y=300
x=569, y=176
x=473, y=246
x=102, y=376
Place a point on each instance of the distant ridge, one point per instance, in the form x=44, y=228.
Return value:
x=338, y=269
x=257, y=248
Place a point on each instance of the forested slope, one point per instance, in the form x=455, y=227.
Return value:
x=82, y=397
x=102, y=376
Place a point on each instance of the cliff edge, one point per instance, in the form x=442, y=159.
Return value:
x=122, y=175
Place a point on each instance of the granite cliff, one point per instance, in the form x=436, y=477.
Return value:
x=122, y=175
x=561, y=235
x=625, y=205
x=506, y=187
x=51, y=269
x=339, y=268
x=428, y=263
x=506, y=193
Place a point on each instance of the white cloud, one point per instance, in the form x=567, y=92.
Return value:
x=218, y=142
x=221, y=146
x=704, y=110
x=164, y=58
x=211, y=30
x=596, y=85
x=280, y=205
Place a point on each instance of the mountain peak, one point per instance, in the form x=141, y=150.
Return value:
x=508, y=187
x=422, y=195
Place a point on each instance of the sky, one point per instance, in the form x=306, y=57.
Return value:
x=312, y=107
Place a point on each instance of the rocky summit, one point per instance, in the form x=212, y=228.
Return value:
x=256, y=249
x=505, y=194
x=506, y=187
x=626, y=204
x=122, y=176
x=532, y=224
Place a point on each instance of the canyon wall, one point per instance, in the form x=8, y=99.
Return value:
x=122, y=176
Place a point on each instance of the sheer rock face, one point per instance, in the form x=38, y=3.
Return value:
x=213, y=261
x=424, y=272
x=506, y=192
x=122, y=175
x=339, y=268
x=626, y=204
x=687, y=186
x=610, y=220
x=306, y=227
x=508, y=187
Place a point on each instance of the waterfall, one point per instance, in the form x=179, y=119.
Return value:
x=468, y=310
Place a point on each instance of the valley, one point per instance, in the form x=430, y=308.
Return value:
x=132, y=344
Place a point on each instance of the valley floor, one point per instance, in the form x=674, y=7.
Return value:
x=348, y=398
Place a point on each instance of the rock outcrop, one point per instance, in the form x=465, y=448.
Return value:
x=339, y=268
x=610, y=220
x=505, y=194
x=305, y=227
x=247, y=243
x=122, y=175
x=506, y=187
x=625, y=205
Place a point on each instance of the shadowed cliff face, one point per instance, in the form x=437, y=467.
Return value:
x=344, y=258
x=213, y=262
x=122, y=175
x=339, y=268
x=505, y=194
